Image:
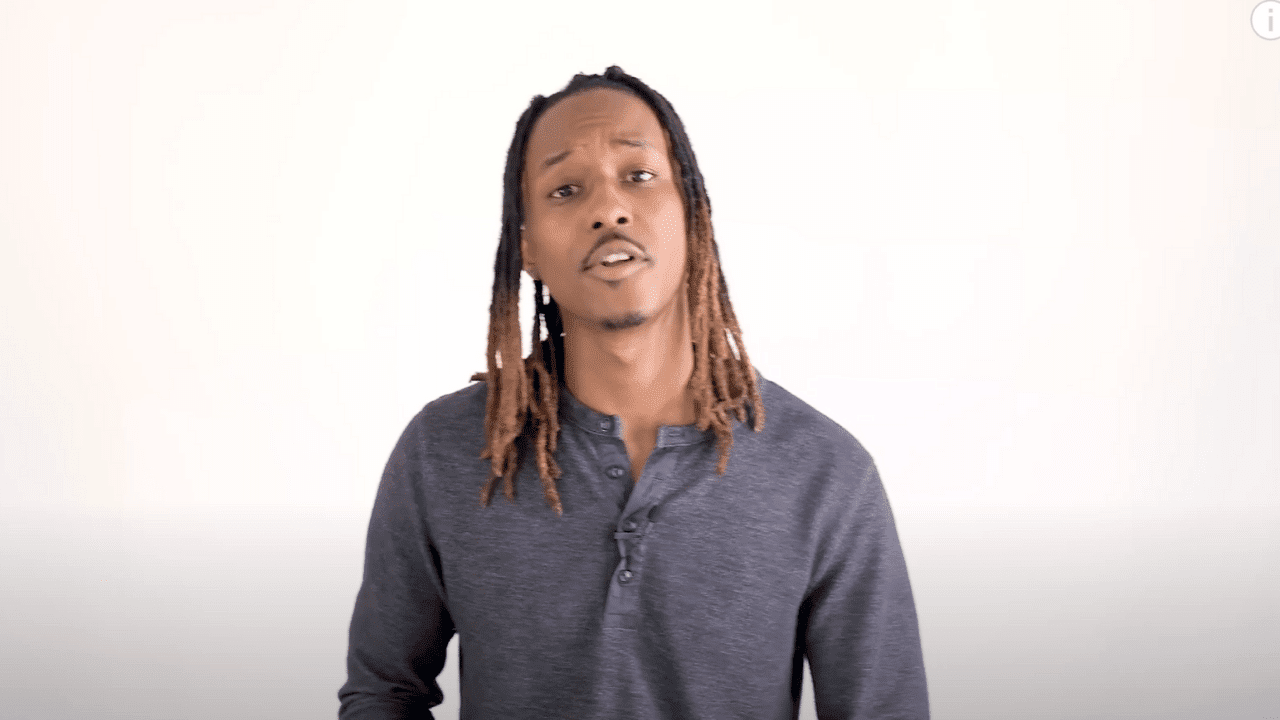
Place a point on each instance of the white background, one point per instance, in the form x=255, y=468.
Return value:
x=1028, y=253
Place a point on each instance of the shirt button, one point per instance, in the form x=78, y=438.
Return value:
x=629, y=525
x=624, y=577
x=616, y=471
x=606, y=424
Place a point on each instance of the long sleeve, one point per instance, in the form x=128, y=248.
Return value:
x=861, y=634
x=401, y=626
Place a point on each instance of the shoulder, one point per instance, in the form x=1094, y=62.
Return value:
x=465, y=405
x=453, y=421
x=835, y=482
x=795, y=425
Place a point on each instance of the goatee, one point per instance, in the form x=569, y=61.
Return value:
x=626, y=322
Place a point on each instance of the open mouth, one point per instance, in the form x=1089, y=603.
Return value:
x=615, y=259
x=612, y=250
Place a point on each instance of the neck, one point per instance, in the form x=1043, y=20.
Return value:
x=640, y=374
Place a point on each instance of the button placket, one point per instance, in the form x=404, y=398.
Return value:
x=627, y=538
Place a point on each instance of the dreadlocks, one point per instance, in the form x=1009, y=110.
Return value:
x=523, y=393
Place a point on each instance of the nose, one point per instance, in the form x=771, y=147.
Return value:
x=611, y=209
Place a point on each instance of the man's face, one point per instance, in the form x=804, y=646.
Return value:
x=599, y=188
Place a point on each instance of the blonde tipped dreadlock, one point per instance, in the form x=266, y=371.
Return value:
x=525, y=391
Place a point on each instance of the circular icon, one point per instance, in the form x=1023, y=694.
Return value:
x=1266, y=19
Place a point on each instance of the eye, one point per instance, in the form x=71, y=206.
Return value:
x=642, y=176
x=564, y=191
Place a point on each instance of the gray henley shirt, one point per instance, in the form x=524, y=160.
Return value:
x=682, y=595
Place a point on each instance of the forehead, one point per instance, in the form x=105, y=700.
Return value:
x=596, y=115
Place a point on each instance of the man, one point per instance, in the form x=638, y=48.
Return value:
x=653, y=558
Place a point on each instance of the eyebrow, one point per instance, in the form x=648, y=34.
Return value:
x=616, y=141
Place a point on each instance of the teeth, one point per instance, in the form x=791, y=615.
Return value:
x=616, y=257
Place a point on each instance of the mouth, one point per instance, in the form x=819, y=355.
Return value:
x=613, y=249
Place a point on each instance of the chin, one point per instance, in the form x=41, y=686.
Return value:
x=624, y=322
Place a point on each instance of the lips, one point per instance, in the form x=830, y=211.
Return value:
x=613, y=249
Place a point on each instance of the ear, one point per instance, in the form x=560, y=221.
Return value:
x=529, y=263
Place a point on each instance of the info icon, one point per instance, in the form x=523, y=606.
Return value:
x=1266, y=19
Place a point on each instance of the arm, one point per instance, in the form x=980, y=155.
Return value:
x=401, y=625
x=859, y=618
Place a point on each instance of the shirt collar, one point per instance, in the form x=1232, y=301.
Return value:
x=597, y=423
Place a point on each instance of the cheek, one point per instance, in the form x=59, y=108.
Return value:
x=668, y=216
x=547, y=239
